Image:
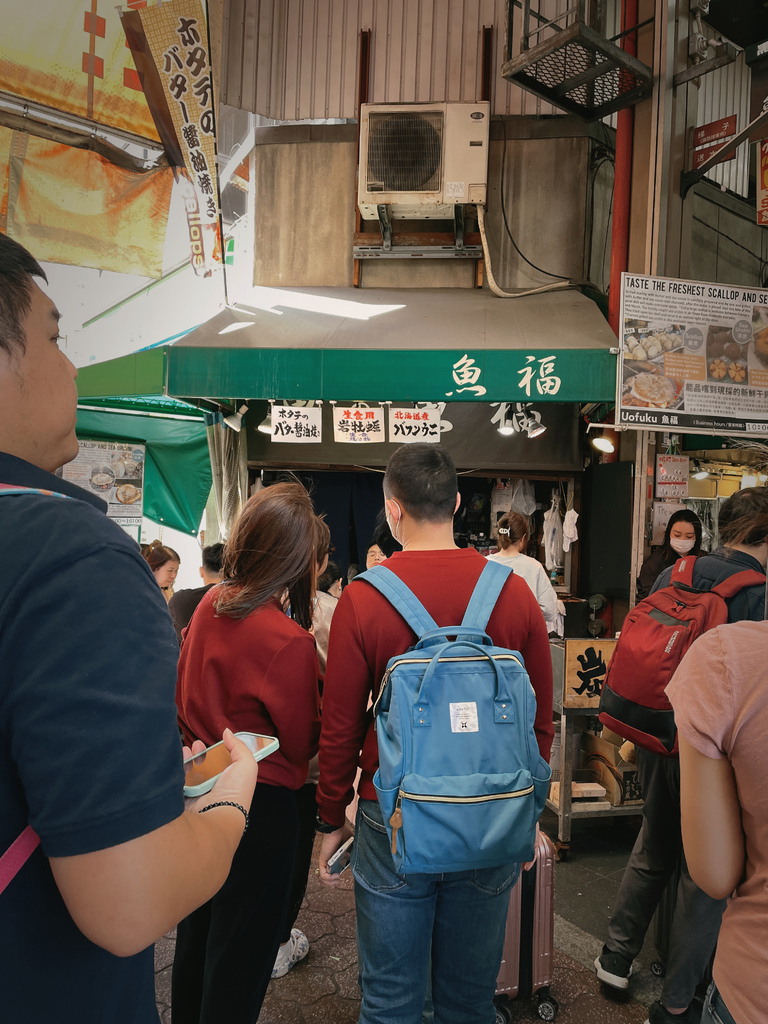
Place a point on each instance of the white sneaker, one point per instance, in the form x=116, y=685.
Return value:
x=295, y=949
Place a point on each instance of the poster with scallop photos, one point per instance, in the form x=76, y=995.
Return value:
x=693, y=357
x=115, y=473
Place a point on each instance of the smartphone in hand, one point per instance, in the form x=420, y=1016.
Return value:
x=201, y=770
x=340, y=860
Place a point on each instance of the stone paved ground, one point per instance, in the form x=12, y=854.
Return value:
x=323, y=988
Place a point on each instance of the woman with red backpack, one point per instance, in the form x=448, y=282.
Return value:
x=659, y=844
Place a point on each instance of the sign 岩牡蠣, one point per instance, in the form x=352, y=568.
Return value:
x=693, y=356
x=358, y=425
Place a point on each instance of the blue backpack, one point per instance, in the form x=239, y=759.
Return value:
x=461, y=782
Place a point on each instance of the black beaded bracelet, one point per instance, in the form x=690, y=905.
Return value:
x=228, y=803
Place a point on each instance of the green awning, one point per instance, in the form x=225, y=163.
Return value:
x=177, y=476
x=347, y=345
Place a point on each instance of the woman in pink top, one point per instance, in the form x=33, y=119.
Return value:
x=720, y=698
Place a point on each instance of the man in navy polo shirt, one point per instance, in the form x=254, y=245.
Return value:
x=89, y=750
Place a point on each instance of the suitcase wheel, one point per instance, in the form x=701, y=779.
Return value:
x=503, y=1014
x=548, y=1007
x=658, y=968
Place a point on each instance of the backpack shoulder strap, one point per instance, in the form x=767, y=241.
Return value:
x=401, y=597
x=738, y=581
x=682, y=571
x=14, y=489
x=486, y=593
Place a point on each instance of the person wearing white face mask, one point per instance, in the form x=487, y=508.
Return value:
x=682, y=537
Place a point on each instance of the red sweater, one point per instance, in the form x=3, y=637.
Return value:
x=367, y=631
x=257, y=674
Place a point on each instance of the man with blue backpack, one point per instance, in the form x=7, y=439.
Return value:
x=453, y=753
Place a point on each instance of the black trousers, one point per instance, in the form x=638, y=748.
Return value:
x=306, y=806
x=652, y=862
x=226, y=949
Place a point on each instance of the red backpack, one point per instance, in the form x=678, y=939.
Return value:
x=654, y=637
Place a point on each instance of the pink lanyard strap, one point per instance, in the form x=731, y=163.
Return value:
x=22, y=848
x=17, y=855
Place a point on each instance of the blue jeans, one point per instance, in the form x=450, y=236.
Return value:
x=715, y=1011
x=459, y=917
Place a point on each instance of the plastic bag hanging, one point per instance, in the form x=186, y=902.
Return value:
x=523, y=499
x=552, y=541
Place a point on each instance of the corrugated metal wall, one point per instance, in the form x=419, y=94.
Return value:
x=724, y=92
x=298, y=59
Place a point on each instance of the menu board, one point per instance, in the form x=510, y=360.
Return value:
x=672, y=476
x=694, y=357
x=116, y=473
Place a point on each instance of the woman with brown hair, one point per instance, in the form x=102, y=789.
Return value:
x=247, y=664
x=164, y=563
x=513, y=538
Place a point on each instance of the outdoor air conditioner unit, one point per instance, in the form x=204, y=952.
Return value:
x=422, y=159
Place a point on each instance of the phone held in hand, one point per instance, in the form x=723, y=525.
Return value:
x=340, y=860
x=201, y=770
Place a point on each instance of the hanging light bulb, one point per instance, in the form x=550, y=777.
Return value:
x=534, y=427
x=603, y=442
x=506, y=427
x=235, y=419
x=266, y=424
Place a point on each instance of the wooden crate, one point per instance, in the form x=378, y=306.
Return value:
x=619, y=778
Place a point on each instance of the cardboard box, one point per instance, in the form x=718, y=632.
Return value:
x=579, y=668
x=619, y=778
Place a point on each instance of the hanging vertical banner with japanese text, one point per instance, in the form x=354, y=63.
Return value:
x=355, y=425
x=297, y=424
x=694, y=357
x=176, y=35
x=407, y=426
x=762, y=182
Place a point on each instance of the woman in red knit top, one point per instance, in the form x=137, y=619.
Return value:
x=246, y=664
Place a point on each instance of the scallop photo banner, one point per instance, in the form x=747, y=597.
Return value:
x=693, y=358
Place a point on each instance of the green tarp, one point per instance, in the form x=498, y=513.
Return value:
x=177, y=478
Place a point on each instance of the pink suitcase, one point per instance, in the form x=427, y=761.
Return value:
x=527, y=961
